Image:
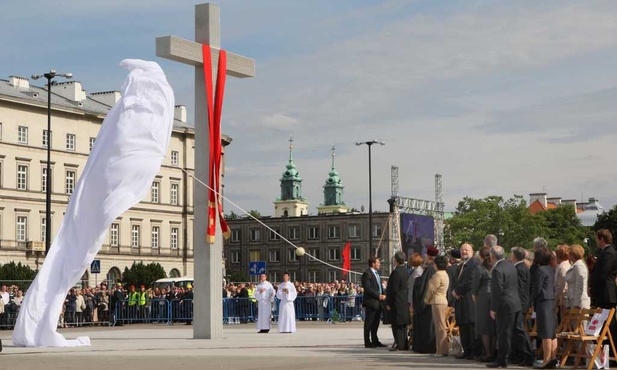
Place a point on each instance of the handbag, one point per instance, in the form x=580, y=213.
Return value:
x=455, y=348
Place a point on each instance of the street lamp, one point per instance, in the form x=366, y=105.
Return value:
x=49, y=76
x=370, y=195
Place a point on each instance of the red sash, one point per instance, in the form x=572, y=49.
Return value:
x=215, y=108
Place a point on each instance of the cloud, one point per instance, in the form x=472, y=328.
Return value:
x=279, y=121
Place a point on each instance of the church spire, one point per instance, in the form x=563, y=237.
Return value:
x=290, y=203
x=291, y=147
x=333, y=191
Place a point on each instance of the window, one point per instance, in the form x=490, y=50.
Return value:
x=174, y=157
x=154, y=237
x=255, y=235
x=46, y=138
x=114, y=234
x=333, y=232
x=43, y=229
x=22, y=177
x=292, y=233
x=274, y=255
x=173, y=239
x=255, y=256
x=376, y=231
x=334, y=254
x=91, y=143
x=274, y=276
x=154, y=192
x=312, y=276
x=314, y=252
x=173, y=194
x=235, y=235
x=331, y=275
x=22, y=229
x=313, y=232
x=293, y=257
x=355, y=254
x=235, y=256
x=293, y=276
x=275, y=233
x=44, y=179
x=354, y=231
x=70, y=142
x=22, y=135
x=70, y=182
x=135, y=236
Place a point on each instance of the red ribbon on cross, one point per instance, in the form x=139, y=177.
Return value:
x=215, y=108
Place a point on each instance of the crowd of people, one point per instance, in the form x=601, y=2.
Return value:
x=490, y=294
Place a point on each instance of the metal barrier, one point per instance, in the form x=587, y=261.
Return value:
x=239, y=310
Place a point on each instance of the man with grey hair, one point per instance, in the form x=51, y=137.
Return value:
x=521, y=345
x=490, y=241
x=397, y=309
x=539, y=243
x=464, y=305
x=505, y=304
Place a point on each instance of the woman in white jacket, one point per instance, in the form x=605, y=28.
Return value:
x=577, y=278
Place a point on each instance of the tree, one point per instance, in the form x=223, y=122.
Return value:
x=561, y=226
x=607, y=220
x=509, y=220
x=232, y=216
x=143, y=274
x=22, y=275
x=254, y=213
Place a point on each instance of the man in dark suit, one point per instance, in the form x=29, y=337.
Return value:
x=452, y=270
x=464, y=305
x=396, y=302
x=371, y=301
x=521, y=343
x=505, y=304
x=602, y=282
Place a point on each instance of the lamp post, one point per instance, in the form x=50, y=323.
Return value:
x=49, y=76
x=370, y=194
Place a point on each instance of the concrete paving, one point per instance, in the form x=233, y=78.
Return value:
x=315, y=346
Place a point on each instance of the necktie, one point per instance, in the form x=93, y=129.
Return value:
x=378, y=281
x=461, y=272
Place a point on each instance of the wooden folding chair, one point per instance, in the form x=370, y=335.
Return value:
x=451, y=327
x=580, y=342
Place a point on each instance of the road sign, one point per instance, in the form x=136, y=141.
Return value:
x=257, y=268
x=95, y=267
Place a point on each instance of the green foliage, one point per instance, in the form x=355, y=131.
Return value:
x=18, y=274
x=607, y=220
x=232, y=216
x=255, y=213
x=512, y=223
x=143, y=274
x=562, y=226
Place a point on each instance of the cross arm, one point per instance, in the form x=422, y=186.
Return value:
x=189, y=52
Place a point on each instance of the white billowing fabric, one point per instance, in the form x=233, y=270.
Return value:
x=125, y=158
x=287, y=312
x=264, y=304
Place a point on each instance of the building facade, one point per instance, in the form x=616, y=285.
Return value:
x=158, y=229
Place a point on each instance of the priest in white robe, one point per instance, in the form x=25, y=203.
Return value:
x=286, y=293
x=264, y=293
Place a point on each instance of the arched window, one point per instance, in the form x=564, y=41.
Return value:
x=174, y=273
x=113, y=276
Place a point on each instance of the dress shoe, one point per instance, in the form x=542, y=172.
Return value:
x=552, y=364
x=379, y=344
x=369, y=346
x=496, y=365
x=395, y=349
x=526, y=362
x=487, y=359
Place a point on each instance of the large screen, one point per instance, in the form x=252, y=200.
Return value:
x=417, y=233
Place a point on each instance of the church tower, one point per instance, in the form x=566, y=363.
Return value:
x=333, y=193
x=291, y=203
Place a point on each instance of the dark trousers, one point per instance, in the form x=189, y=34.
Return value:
x=505, y=324
x=467, y=338
x=371, y=325
x=520, y=337
x=400, y=336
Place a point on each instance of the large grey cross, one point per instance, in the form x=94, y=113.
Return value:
x=208, y=268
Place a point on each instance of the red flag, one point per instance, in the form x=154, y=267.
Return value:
x=346, y=258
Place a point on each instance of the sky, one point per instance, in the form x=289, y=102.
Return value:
x=499, y=97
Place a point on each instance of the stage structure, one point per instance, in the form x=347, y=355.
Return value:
x=412, y=215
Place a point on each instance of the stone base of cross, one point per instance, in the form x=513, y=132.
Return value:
x=208, y=270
